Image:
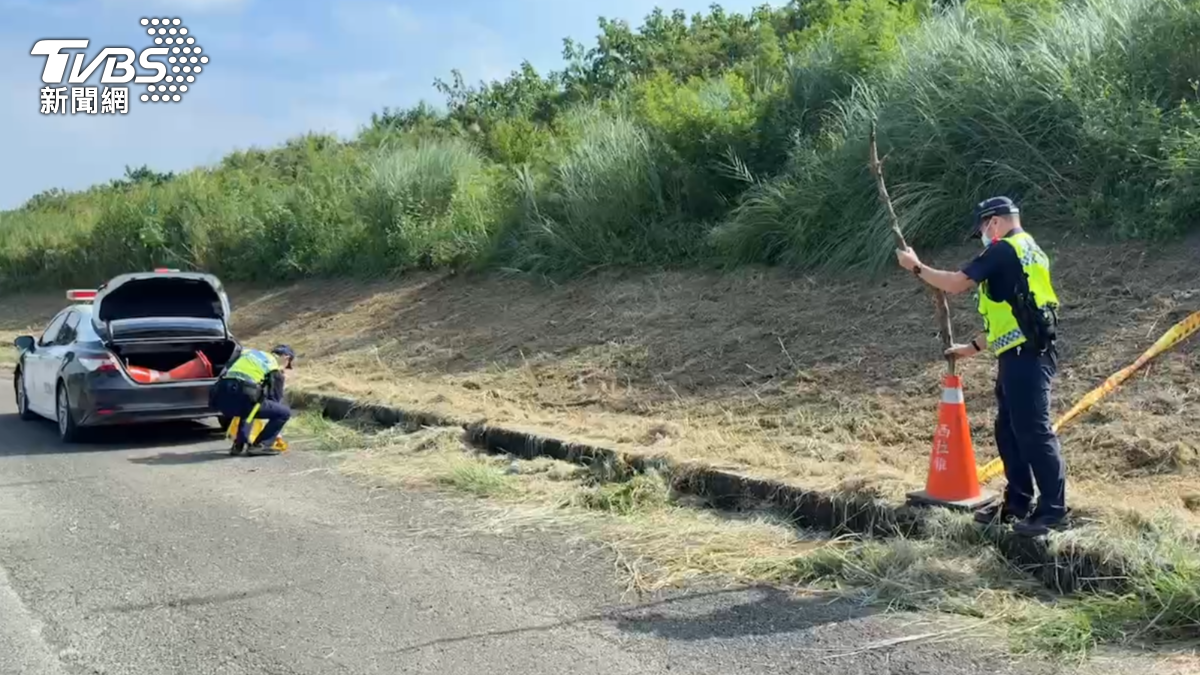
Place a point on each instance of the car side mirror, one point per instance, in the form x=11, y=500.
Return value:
x=25, y=343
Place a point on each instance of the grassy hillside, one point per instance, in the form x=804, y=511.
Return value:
x=832, y=384
x=712, y=140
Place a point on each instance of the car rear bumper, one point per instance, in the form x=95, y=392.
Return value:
x=114, y=400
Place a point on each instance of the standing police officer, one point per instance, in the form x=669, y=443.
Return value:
x=256, y=377
x=1018, y=305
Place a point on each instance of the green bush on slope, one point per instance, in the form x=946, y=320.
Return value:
x=728, y=138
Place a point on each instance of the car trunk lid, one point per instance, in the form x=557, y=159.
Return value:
x=162, y=307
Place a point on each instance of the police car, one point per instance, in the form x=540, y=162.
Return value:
x=143, y=347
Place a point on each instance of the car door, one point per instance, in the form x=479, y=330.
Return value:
x=41, y=367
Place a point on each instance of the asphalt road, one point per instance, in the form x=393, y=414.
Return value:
x=154, y=552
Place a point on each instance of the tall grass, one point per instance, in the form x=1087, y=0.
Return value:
x=316, y=207
x=1084, y=112
x=1061, y=117
x=610, y=200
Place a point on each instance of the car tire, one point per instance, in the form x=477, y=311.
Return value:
x=68, y=430
x=23, y=410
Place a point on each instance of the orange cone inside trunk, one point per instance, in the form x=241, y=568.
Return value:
x=145, y=375
x=196, y=369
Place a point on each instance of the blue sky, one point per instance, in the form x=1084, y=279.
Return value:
x=277, y=69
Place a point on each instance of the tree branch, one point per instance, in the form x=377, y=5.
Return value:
x=941, y=309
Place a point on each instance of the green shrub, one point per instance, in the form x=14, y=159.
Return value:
x=608, y=201
x=735, y=137
x=1049, y=119
x=436, y=203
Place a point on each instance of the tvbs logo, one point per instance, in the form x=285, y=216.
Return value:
x=167, y=69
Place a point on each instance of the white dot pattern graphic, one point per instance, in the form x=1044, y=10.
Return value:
x=157, y=29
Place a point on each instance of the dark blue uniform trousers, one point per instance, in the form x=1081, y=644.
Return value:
x=1025, y=435
x=232, y=401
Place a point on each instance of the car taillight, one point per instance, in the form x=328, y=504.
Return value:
x=99, y=364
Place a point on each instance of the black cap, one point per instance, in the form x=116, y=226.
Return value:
x=284, y=350
x=996, y=206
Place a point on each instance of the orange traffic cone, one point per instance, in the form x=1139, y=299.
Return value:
x=145, y=375
x=196, y=369
x=953, y=480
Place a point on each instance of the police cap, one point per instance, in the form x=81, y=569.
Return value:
x=995, y=206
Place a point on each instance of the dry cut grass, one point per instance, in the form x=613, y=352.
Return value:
x=661, y=538
x=828, y=383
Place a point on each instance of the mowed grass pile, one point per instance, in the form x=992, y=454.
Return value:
x=663, y=538
x=722, y=139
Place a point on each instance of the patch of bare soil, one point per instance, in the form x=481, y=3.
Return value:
x=829, y=383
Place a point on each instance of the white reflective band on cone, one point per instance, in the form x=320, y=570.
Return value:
x=952, y=395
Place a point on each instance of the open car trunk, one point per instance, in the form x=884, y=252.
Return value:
x=155, y=323
x=165, y=356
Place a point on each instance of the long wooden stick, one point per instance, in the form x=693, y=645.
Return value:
x=941, y=308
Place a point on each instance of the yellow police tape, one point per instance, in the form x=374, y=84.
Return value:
x=1178, y=333
x=255, y=429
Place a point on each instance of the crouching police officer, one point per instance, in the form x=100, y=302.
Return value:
x=256, y=377
x=1018, y=304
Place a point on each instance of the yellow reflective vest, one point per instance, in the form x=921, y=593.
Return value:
x=253, y=366
x=1003, y=332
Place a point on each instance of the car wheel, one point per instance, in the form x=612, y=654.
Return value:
x=68, y=431
x=22, y=400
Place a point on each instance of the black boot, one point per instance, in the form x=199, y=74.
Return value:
x=999, y=514
x=1038, y=525
x=260, y=448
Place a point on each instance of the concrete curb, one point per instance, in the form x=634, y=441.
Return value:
x=1066, y=569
